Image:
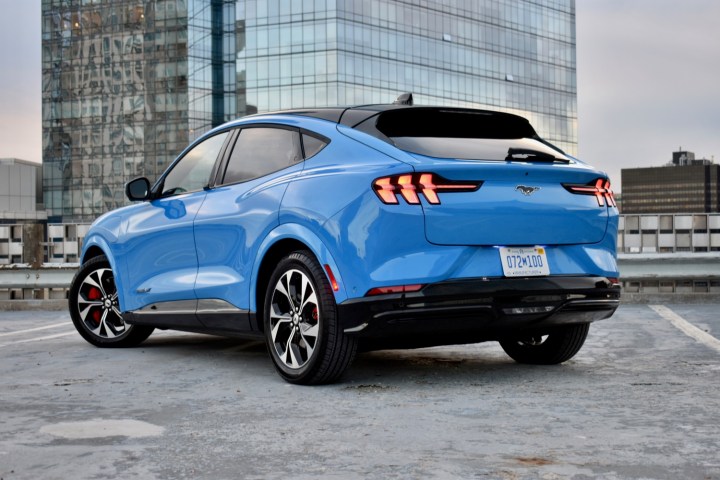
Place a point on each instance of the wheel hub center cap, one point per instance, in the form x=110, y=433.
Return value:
x=108, y=303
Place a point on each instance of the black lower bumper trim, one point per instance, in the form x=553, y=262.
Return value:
x=481, y=309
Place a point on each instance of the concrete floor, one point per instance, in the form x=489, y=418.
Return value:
x=640, y=400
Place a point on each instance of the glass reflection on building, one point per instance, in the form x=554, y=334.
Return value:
x=511, y=55
x=128, y=84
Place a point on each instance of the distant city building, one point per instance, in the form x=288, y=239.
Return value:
x=21, y=212
x=20, y=191
x=670, y=233
x=127, y=84
x=686, y=185
x=683, y=158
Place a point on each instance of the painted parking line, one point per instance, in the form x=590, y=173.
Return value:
x=686, y=327
x=46, y=327
x=38, y=339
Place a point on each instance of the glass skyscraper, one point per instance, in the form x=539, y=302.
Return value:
x=127, y=84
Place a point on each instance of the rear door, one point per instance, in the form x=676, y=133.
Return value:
x=238, y=213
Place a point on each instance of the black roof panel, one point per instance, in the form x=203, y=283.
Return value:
x=332, y=114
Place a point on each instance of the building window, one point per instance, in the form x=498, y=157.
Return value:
x=666, y=224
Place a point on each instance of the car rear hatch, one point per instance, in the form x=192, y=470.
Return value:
x=517, y=204
x=530, y=193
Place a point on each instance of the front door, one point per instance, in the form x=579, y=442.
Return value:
x=159, y=254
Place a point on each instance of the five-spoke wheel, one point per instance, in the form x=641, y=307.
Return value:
x=93, y=303
x=300, y=321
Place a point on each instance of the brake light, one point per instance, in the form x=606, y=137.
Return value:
x=600, y=188
x=411, y=185
x=407, y=189
x=394, y=289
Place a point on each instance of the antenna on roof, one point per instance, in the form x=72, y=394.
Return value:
x=404, y=99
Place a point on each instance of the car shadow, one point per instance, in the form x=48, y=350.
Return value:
x=437, y=366
x=475, y=364
x=171, y=339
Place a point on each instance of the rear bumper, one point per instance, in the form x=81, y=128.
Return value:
x=467, y=311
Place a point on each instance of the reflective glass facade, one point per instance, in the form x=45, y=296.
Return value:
x=511, y=55
x=128, y=83
x=126, y=86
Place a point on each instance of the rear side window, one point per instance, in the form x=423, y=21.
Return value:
x=312, y=145
x=459, y=133
x=262, y=150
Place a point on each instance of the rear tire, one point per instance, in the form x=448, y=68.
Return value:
x=556, y=347
x=94, y=309
x=302, y=333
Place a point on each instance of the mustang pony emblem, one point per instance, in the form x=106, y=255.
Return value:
x=527, y=191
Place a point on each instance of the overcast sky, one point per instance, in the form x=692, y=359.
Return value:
x=648, y=81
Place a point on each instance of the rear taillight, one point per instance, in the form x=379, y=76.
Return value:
x=600, y=188
x=411, y=186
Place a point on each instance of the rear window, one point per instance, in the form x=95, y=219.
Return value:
x=459, y=133
x=452, y=123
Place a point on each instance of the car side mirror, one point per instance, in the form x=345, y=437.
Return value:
x=138, y=190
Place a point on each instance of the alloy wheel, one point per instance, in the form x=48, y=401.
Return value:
x=294, y=319
x=97, y=303
x=534, y=340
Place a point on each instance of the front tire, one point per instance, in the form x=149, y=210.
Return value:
x=302, y=333
x=557, y=346
x=93, y=303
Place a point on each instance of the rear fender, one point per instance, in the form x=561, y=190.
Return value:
x=303, y=235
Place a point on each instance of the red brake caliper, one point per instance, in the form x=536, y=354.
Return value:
x=94, y=294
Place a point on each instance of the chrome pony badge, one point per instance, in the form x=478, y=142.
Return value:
x=527, y=191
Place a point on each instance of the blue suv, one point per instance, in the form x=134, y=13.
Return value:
x=332, y=230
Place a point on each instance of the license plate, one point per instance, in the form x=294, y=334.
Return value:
x=524, y=261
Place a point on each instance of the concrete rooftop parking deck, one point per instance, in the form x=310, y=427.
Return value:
x=640, y=400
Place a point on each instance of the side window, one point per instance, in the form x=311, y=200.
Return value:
x=192, y=172
x=312, y=145
x=259, y=151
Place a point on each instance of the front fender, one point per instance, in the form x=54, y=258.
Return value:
x=96, y=240
x=294, y=231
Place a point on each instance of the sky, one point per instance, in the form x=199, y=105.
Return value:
x=648, y=74
x=20, y=80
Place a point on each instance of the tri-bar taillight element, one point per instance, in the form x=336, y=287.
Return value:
x=411, y=185
x=599, y=187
